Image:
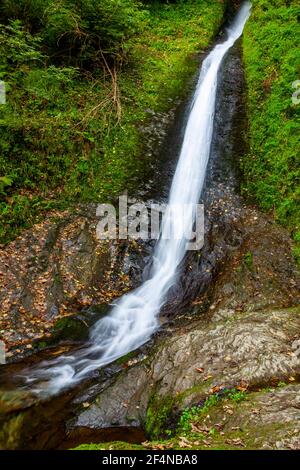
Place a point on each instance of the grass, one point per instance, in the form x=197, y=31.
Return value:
x=272, y=65
x=61, y=141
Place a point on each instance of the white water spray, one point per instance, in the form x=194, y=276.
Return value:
x=134, y=318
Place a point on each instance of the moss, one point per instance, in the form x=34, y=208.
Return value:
x=162, y=413
x=196, y=413
x=116, y=445
x=126, y=358
x=198, y=390
x=248, y=260
x=40, y=344
x=246, y=439
x=94, y=155
x=70, y=328
x=10, y=431
x=158, y=414
x=206, y=432
x=271, y=169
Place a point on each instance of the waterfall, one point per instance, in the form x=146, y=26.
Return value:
x=134, y=318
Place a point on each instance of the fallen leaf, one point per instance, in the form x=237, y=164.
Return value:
x=243, y=386
x=202, y=429
x=216, y=389
x=207, y=377
x=235, y=442
x=183, y=442
x=146, y=444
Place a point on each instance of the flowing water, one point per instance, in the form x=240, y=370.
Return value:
x=134, y=318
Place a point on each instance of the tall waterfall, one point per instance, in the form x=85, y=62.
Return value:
x=134, y=318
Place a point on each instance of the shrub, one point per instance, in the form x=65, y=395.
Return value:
x=79, y=32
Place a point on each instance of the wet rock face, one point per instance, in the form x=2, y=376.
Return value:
x=250, y=350
x=246, y=262
x=262, y=274
x=254, y=349
x=232, y=335
x=57, y=269
x=267, y=420
x=238, y=239
x=128, y=409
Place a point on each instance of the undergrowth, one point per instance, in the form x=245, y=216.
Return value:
x=272, y=66
x=69, y=130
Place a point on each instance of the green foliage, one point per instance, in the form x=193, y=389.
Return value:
x=248, y=259
x=5, y=182
x=272, y=64
x=78, y=31
x=60, y=138
x=195, y=414
x=281, y=384
x=236, y=395
x=31, y=12
x=119, y=445
x=188, y=415
x=18, y=47
x=158, y=414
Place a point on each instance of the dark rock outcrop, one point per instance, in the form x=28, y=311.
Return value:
x=58, y=269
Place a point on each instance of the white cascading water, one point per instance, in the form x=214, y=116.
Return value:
x=134, y=318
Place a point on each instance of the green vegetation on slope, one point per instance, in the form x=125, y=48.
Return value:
x=192, y=430
x=228, y=420
x=272, y=65
x=77, y=86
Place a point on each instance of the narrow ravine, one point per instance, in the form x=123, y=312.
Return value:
x=134, y=318
x=228, y=321
x=53, y=423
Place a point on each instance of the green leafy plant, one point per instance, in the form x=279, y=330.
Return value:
x=195, y=414
x=61, y=139
x=271, y=168
x=248, y=259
